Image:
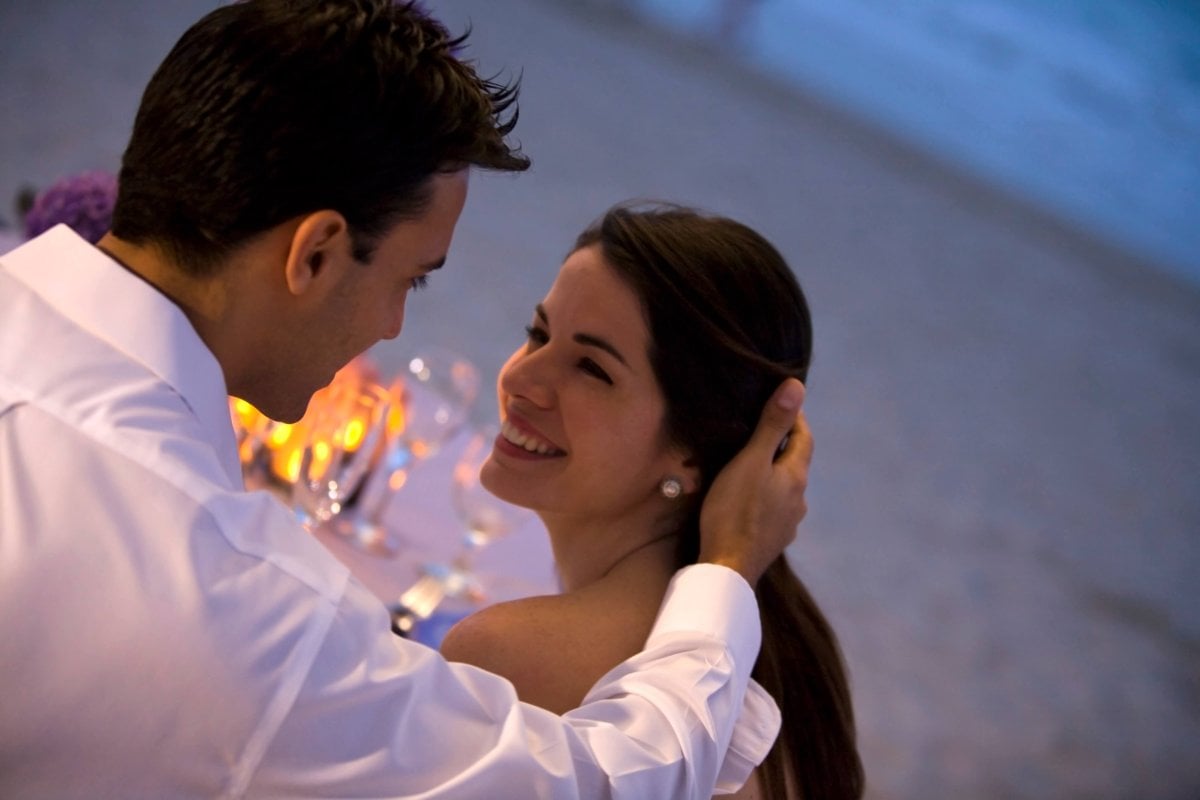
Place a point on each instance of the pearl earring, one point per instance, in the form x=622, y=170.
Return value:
x=670, y=488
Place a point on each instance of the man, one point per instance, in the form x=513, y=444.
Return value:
x=295, y=170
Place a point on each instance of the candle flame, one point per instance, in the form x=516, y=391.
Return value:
x=354, y=434
x=285, y=444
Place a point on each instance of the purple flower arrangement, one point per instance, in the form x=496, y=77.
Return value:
x=84, y=202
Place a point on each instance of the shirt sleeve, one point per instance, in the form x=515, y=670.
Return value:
x=755, y=733
x=383, y=718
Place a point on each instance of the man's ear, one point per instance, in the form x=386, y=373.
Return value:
x=321, y=241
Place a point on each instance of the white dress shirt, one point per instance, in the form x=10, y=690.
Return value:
x=164, y=633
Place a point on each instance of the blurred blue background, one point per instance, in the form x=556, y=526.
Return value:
x=1089, y=108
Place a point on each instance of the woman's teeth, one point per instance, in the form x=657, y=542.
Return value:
x=525, y=441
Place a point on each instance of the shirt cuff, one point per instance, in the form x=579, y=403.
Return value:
x=753, y=734
x=715, y=601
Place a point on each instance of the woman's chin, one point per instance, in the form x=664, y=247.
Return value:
x=505, y=484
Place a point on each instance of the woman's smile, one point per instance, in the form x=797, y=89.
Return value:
x=528, y=440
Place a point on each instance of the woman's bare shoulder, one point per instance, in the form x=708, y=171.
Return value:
x=552, y=648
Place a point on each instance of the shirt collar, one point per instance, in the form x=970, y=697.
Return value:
x=129, y=314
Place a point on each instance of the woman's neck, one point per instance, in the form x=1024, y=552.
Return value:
x=586, y=552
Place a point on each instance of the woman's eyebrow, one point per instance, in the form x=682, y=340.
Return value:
x=586, y=338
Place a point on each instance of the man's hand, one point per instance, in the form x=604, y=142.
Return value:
x=752, y=510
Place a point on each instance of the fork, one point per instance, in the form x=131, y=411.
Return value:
x=416, y=604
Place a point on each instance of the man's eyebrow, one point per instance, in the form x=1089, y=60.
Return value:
x=432, y=265
x=587, y=338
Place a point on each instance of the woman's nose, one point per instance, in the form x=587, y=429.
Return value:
x=526, y=375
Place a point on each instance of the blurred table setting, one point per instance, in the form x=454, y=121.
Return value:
x=383, y=470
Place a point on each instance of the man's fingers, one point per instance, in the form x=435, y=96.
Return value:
x=778, y=418
x=799, y=448
x=793, y=462
x=757, y=500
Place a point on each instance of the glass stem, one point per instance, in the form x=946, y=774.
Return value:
x=465, y=560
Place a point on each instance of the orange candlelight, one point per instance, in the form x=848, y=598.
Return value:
x=284, y=443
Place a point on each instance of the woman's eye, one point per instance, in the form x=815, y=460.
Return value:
x=418, y=283
x=536, y=335
x=594, y=369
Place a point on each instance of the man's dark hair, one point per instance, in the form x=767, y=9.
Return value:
x=270, y=109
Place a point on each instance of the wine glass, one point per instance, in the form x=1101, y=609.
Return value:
x=432, y=400
x=485, y=518
x=437, y=390
x=341, y=441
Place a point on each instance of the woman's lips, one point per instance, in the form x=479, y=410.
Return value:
x=523, y=437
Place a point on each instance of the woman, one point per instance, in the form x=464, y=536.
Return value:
x=643, y=373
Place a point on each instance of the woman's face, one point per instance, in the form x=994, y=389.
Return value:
x=581, y=410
